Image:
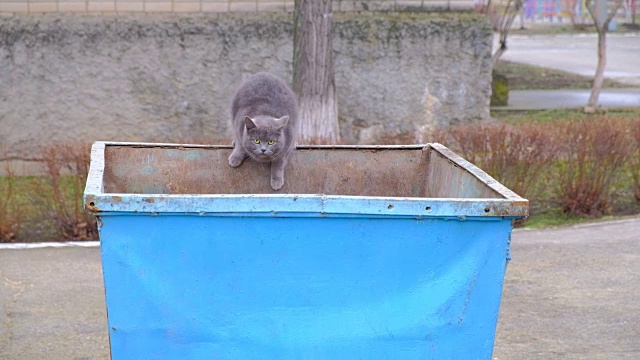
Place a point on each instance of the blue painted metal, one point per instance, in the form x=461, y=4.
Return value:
x=205, y=276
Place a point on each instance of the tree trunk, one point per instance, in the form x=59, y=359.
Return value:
x=601, y=19
x=503, y=24
x=313, y=72
x=596, y=88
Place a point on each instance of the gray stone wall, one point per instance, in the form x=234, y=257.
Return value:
x=170, y=78
x=403, y=74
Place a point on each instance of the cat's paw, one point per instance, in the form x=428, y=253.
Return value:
x=235, y=161
x=276, y=183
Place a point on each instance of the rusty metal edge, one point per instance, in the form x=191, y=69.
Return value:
x=478, y=173
x=304, y=205
x=96, y=201
x=303, y=147
x=95, y=176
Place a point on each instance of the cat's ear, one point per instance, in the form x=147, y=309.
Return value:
x=248, y=122
x=282, y=122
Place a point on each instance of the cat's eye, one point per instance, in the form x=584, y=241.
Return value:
x=256, y=141
x=271, y=142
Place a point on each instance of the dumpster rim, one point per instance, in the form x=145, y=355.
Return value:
x=98, y=148
x=291, y=204
x=98, y=202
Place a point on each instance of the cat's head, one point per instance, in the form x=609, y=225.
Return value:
x=264, y=138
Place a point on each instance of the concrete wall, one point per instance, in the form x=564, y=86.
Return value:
x=171, y=77
x=402, y=75
x=191, y=6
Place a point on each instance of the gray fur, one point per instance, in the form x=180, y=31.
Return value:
x=264, y=119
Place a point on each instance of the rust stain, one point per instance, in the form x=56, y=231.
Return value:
x=336, y=172
x=506, y=210
x=91, y=207
x=420, y=172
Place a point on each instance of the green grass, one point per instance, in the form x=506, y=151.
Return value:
x=558, y=219
x=568, y=28
x=527, y=77
x=558, y=115
x=14, y=204
x=32, y=206
x=545, y=212
x=552, y=218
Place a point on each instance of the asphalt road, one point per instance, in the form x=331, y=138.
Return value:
x=569, y=293
x=574, y=98
x=578, y=54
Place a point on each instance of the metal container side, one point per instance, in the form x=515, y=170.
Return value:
x=368, y=252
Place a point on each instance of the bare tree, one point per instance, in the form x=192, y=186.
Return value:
x=501, y=18
x=601, y=18
x=578, y=18
x=630, y=7
x=313, y=72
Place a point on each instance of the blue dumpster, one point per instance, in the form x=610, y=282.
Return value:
x=376, y=252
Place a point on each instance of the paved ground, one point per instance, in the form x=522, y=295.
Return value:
x=578, y=54
x=52, y=305
x=572, y=293
x=558, y=99
x=569, y=293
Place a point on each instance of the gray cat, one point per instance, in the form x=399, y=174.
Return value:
x=264, y=122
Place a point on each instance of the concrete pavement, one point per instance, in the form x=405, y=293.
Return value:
x=564, y=99
x=52, y=304
x=577, y=53
x=569, y=293
x=572, y=293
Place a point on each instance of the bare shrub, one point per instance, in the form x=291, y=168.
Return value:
x=60, y=193
x=593, y=153
x=10, y=213
x=634, y=159
x=517, y=156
